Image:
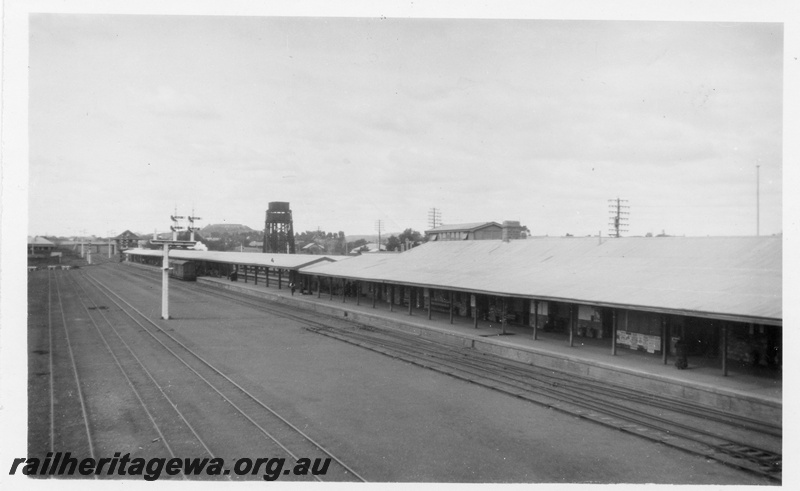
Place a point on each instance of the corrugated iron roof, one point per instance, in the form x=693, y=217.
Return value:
x=737, y=277
x=40, y=241
x=462, y=227
x=288, y=261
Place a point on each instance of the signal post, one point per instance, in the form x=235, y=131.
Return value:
x=166, y=244
x=165, y=269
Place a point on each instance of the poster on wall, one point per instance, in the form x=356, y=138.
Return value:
x=653, y=344
x=636, y=340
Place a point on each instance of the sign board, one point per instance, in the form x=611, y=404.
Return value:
x=472, y=301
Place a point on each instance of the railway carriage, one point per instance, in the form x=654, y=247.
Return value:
x=182, y=270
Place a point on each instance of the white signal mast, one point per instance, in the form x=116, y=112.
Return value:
x=175, y=227
x=191, y=227
x=165, y=269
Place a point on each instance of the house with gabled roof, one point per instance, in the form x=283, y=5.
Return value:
x=127, y=240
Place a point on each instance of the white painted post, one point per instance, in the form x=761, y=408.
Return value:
x=109, y=248
x=83, y=254
x=89, y=254
x=165, y=284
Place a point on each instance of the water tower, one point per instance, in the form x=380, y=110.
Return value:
x=279, y=230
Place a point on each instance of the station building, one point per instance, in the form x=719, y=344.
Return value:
x=127, y=240
x=509, y=230
x=713, y=295
x=39, y=247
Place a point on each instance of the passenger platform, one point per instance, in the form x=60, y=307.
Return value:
x=756, y=393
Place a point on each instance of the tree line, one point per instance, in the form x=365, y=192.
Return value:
x=334, y=243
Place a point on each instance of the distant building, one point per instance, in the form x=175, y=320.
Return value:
x=466, y=231
x=127, y=240
x=367, y=248
x=313, y=248
x=509, y=230
x=512, y=230
x=40, y=247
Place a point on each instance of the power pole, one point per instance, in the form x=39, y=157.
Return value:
x=434, y=218
x=379, y=226
x=618, y=221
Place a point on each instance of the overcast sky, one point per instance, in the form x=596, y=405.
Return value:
x=354, y=120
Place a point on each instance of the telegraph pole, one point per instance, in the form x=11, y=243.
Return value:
x=434, y=217
x=617, y=219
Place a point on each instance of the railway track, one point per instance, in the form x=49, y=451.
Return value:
x=744, y=443
x=687, y=431
x=178, y=437
x=84, y=341
x=65, y=408
x=263, y=419
x=747, y=444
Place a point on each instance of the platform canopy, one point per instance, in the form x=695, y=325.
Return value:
x=285, y=261
x=735, y=278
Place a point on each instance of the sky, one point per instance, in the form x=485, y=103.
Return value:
x=353, y=120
